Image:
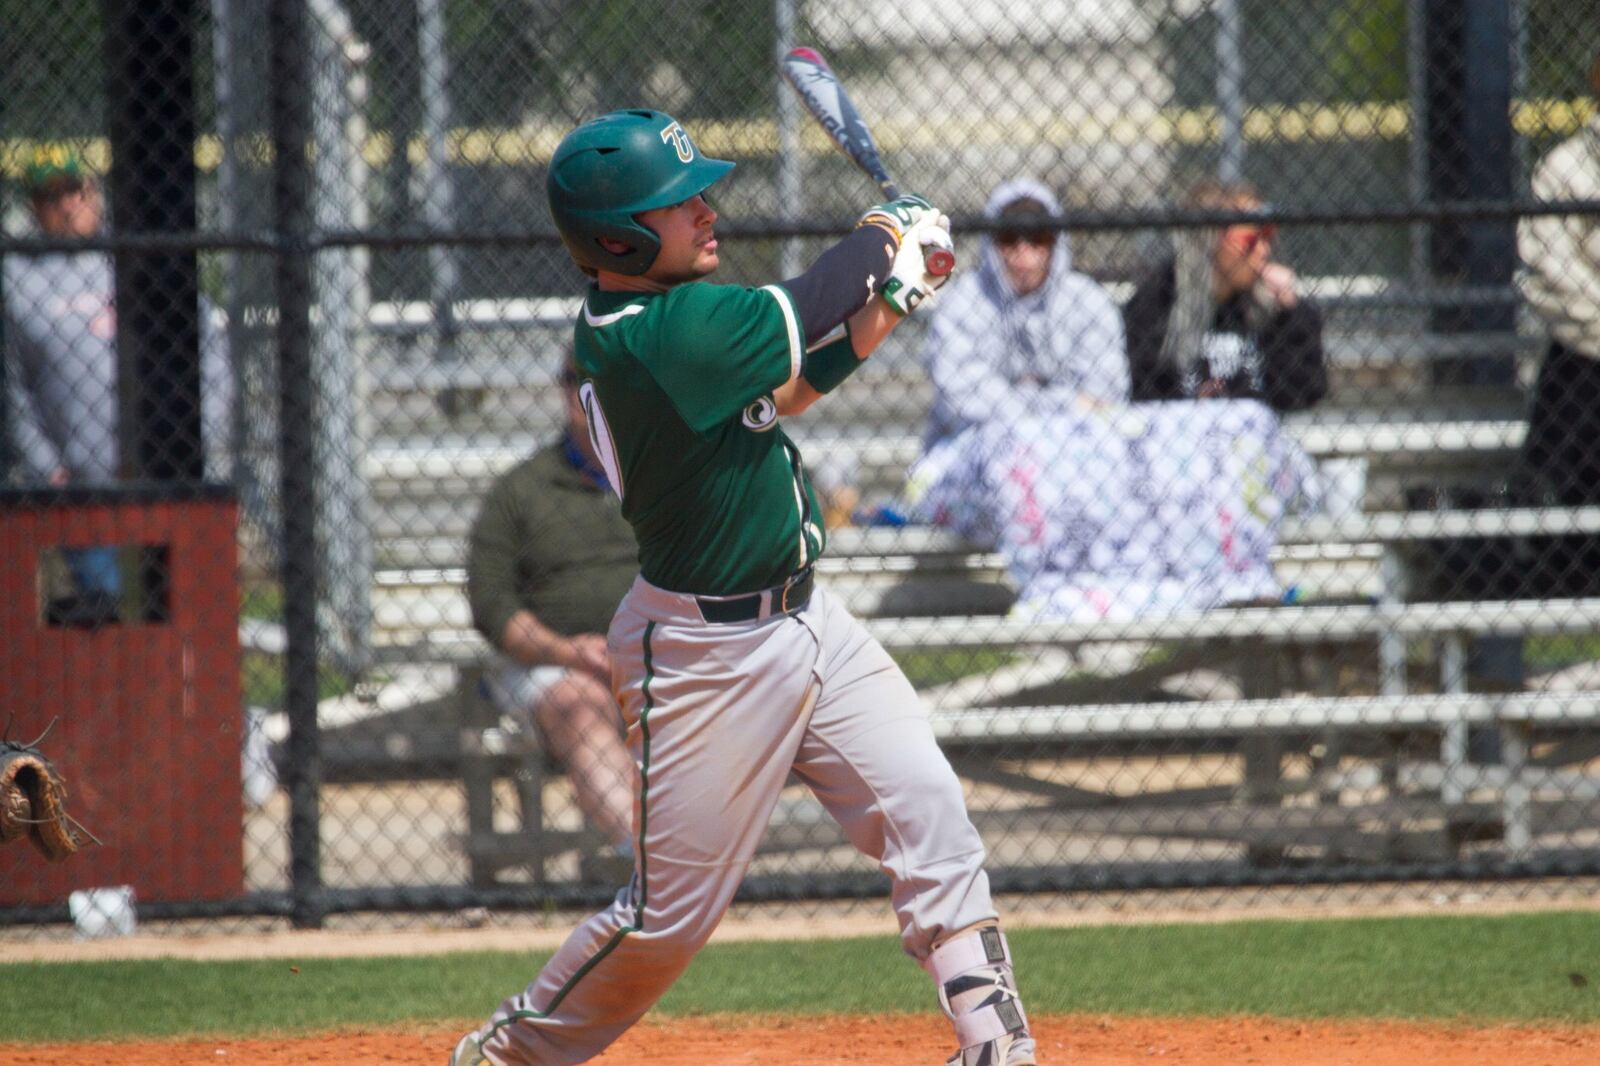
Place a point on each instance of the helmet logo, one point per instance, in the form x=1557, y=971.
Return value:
x=680, y=140
x=760, y=415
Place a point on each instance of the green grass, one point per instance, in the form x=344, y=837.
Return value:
x=925, y=669
x=1552, y=652
x=261, y=599
x=1480, y=969
x=262, y=681
x=261, y=677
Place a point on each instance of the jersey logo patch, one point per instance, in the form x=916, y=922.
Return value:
x=760, y=416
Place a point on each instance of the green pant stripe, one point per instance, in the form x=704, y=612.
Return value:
x=644, y=808
x=644, y=772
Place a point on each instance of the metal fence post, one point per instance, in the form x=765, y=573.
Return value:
x=1230, y=91
x=437, y=186
x=1468, y=75
x=340, y=293
x=291, y=186
x=1419, y=274
x=152, y=126
x=790, y=163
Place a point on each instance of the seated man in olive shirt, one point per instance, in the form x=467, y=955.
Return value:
x=550, y=558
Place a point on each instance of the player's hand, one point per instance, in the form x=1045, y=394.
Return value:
x=909, y=285
x=899, y=216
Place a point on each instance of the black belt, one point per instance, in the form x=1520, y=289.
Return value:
x=788, y=598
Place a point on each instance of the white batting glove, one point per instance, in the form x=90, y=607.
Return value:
x=898, y=216
x=909, y=285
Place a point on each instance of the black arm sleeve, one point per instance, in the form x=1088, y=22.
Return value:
x=1294, y=371
x=841, y=281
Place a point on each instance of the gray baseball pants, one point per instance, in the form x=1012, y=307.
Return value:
x=717, y=717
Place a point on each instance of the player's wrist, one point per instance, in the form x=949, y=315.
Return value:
x=826, y=367
x=885, y=224
x=898, y=216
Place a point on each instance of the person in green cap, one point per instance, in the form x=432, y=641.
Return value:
x=61, y=359
x=64, y=198
x=732, y=668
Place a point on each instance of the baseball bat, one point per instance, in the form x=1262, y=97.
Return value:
x=820, y=89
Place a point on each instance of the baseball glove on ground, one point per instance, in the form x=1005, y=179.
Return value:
x=33, y=802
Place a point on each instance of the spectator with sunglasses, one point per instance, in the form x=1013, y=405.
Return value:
x=1024, y=334
x=1220, y=318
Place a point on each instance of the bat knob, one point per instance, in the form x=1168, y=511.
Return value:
x=938, y=255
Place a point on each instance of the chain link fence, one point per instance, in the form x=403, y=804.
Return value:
x=1236, y=512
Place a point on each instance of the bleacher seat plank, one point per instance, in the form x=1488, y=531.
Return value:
x=466, y=458
x=1278, y=624
x=1007, y=725
x=906, y=549
x=1399, y=526
x=1502, y=617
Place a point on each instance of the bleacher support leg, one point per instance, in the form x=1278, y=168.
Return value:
x=1517, y=802
x=1391, y=645
x=1263, y=756
x=1453, y=744
x=477, y=778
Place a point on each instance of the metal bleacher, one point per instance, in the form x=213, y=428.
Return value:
x=1078, y=688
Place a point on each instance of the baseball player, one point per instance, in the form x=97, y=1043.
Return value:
x=731, y=668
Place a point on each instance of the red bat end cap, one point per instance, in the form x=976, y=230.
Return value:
x=939, y=261
x=810, y=55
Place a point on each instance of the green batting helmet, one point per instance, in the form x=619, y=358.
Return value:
x=611, y=168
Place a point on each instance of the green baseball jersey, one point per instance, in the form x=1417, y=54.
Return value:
x=678, y=391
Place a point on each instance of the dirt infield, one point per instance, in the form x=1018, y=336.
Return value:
x=913, y=1041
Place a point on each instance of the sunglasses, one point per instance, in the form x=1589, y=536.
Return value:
x=1248, y=238
x=1039, y=238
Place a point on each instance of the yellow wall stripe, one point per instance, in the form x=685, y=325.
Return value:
x=1286, y=124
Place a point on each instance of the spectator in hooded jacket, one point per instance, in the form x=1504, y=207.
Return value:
x=1561, y=453
x=1562, y=283
x=1023, y=334
x=1221, y=318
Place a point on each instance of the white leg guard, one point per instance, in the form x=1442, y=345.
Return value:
x=979, y=995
